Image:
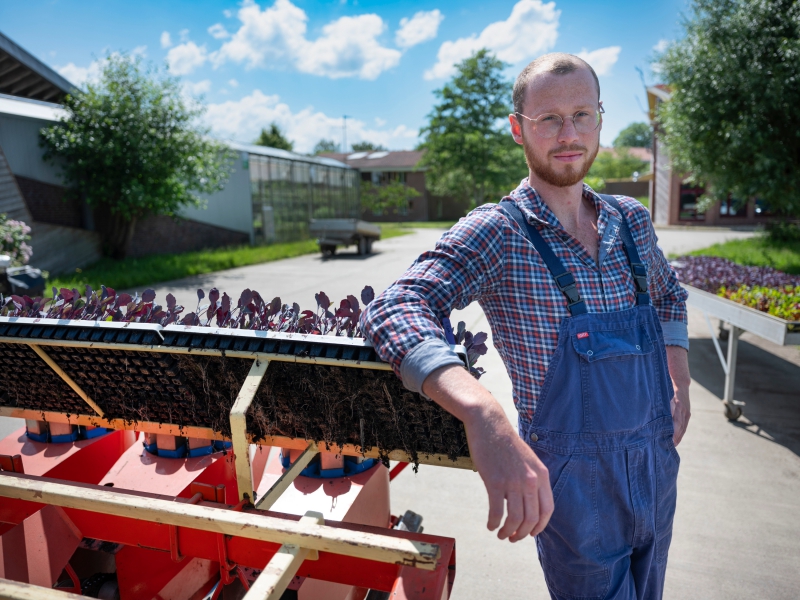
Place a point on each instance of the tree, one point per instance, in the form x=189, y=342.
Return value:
x=380, y=198
x=274, y=138
x=324, y=146
x=620, y=164
x=635, y=135
x=131, y=147
x=367, y=147
x=735, y=85
x=469, y=152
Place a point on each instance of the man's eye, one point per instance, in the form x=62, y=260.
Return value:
x=582, y=115
x=548, y=118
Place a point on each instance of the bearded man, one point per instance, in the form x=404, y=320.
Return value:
x=590, y=322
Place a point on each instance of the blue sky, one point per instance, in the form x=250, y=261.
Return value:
x=305, y=63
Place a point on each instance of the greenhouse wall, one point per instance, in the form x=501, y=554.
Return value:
x=287, y=193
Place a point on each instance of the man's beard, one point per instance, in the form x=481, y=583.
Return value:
x=570, y=176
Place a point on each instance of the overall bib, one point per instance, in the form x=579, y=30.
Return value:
x=603, y=428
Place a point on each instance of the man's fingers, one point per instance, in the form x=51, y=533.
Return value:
x=530, y=502
x=515, y=515
x=546, y=507
x=496, y=508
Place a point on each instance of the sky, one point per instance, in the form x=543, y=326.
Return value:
x=305, y=64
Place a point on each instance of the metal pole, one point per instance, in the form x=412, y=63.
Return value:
x=730, y=376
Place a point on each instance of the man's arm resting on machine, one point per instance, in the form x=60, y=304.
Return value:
x=511, y=471
x=678, y=364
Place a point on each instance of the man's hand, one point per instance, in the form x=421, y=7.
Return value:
x=510, y=470
x=678, y=363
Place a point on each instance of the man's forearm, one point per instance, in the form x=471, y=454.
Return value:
x=678, y=365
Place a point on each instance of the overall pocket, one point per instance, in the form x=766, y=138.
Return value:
x=620, y=377
x=667, y=465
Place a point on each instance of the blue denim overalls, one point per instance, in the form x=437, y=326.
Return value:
x=603, y=427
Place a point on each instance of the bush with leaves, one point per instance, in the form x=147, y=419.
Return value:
x=14, y=238
x=380, y=199
x=131, y=146
x=735, y=84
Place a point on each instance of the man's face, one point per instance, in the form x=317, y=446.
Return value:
x=563, y=160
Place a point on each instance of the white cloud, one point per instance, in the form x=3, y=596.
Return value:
x=532, y=28
x=661, y=45
x=422, y=27
x=233, y=83
x=242, y=119
x=184, y=33
x=601, y=59
x=228, y=13
x=218, y=32
x=196, y=88
x=348, y=47
x=185, y=58
x=81, y=75
x=380, y=122
x=139, y=51
x=166, y=39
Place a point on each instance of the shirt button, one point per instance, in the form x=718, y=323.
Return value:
x=534, y=437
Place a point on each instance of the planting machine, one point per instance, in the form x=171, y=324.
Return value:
x=126, y=482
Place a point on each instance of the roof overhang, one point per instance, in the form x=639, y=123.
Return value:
x=25, y=76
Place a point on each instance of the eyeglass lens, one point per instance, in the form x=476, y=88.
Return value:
x=548, y=126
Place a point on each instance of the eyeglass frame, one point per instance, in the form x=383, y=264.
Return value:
x=600, y=112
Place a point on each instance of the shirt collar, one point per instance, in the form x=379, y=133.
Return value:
x=535, y=210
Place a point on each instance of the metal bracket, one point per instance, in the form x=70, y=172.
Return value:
x=285, y=480
x=283, y=566
x=241, y=445
x=67, y=379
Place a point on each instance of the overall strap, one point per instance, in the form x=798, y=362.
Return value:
x=563, y=278
x=638, y=268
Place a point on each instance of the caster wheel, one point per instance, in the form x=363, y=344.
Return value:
x=732, y=412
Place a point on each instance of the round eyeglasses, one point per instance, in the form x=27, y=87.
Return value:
x=549, y=125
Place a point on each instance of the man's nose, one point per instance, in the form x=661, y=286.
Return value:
x=568, y=133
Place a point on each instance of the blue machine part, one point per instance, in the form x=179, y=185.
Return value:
x=90, y=434
x=64, y=438
x=202, y=451
x=351, y=467
x=221, y=445
x=39, y=437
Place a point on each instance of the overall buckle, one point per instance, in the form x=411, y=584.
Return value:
x=640, y=277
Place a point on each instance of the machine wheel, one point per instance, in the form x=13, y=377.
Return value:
x=362, y=246
x=369, y=245
x=732, y=412
x=328, y=249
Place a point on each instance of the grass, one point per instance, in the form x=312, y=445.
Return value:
x=758, y=251
x=136, y=272
x=132, y=273
x=644, y=200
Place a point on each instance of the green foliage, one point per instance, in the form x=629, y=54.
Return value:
x=735, y=81
x=367, y=147
x=783, y=303
x=381, y=198
x=469, y=152
x=759, y=251
x=132, y=273
x=623, y=165
x=131, y=146
x=635, y=135
x=274, y=138
x=14, y=238
x=598, y=184
x=324, y=146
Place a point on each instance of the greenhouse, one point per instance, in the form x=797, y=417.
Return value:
x=289, y=189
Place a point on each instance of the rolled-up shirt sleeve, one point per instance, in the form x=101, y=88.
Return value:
x=404, y=323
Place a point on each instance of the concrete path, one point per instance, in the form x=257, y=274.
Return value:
x=737, y=530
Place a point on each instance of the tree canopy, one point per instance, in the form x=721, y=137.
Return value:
x=735, y=84
x=381, y=198
x=635, y=135
x=620, y=164
x=367, y=147
x=469, y=151
x=131, y=146
x=324, y=146
x=274, y=138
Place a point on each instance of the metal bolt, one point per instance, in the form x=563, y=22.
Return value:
x=589, y=352
x=534, y=437
x=638, y=347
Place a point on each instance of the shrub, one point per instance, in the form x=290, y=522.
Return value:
x=14, y=236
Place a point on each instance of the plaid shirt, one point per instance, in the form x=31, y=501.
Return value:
x=486, y=258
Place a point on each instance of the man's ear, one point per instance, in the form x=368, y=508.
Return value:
x=516, y=128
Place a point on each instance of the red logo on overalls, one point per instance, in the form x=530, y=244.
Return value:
x=583, y=334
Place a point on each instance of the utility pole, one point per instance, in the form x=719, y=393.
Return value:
x=344, y=134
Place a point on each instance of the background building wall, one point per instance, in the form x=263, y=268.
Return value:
x=19, y=138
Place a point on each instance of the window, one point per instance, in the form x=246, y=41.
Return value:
x=732, y=207
x=688, y=203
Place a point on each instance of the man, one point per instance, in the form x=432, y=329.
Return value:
x=591, y=324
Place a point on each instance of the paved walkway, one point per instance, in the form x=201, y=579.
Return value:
x=737, y=529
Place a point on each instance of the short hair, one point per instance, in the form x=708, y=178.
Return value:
x=558, y=63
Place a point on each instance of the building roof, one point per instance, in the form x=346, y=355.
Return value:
x=285, y=154
x=34, y=109
x=25, y=76
x=396, y=160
